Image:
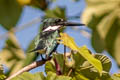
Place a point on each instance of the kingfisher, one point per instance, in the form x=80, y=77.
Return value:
x=46, y=42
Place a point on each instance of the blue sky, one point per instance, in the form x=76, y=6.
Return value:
x=25, y=36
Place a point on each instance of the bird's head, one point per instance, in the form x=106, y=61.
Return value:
x=53, y=24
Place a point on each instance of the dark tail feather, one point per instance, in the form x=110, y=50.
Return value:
x=37, y=53
x=32, y=50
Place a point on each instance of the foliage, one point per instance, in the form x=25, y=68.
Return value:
x=14, y=55
x=73, y=67
x=10, y=12
x=40, y=76
x=100, y=15
x=103, y=18
x=69, y=42
x=29, y=76
x=2, y=76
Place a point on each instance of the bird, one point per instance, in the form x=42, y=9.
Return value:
x=46, y=42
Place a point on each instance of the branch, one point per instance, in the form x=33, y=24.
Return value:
x=19, y=28
x=28, y=68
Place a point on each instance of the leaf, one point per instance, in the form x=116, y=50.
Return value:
x=53, y=76
x=69, y=42
x=12, y=55
x=88, y=71
x=2, y=75
x=97, y=42
x=55, y=13
x=111, y=40
x=106, y=63
x=49, y=67
x=80, y=77
x=10, y=13
x=41, y=4
x=117, y=48
x=115, y=76
x=105, y=76
x=102, y=17
x=29, y=76
x=98, y=8
x=78, y=59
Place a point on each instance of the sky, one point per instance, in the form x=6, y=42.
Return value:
x=26, y=35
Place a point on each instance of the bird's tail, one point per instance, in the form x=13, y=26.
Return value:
x=34, y=50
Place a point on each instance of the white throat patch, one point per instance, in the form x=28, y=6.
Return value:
x=51, y=28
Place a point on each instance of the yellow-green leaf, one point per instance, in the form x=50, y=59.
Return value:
x=2, y=76
x=103, y=18
x=30, y=76
x=69, y=42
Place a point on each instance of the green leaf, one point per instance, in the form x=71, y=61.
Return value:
x=10, y=12
x=90, y=72
x=117, y=48
x=105, y=76
x=69, y=42
x=80, y=77
x=115, y=76
x=29, y=76
x=78, y=59
x=112, y=38
x=97, y=42
x=12, y=55
x=2, y=76
x=53, y=76
x=55, y=13
x=41, y=4
x=106, y=63
x=103, y=18
x=49, y=66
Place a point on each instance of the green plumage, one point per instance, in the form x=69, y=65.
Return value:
x=45, y=42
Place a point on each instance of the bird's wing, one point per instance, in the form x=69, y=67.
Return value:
x=37, y=40
x=51, y=42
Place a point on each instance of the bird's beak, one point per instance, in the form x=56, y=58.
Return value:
x=70, y=24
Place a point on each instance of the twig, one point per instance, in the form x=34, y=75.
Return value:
x=28, y=68
x=19, y=28
x=70, y=71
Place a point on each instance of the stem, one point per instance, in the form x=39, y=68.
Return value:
x=28, y=68
x=58, y=70
x=64, y=58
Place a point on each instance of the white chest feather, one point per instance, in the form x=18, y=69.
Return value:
x=52, y=28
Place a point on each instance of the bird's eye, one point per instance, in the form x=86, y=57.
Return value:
x=58, y=20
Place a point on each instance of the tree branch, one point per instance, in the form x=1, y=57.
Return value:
x=29, y=67
x=19, y=28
